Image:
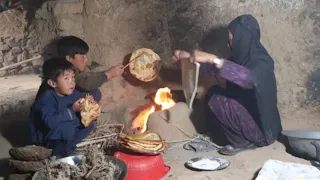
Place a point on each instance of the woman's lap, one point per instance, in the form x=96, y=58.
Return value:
x=238, y=125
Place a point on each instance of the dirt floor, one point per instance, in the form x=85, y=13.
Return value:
x=244, y=166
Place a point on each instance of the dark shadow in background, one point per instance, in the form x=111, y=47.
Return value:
x=184, y=33
x=215, y=42
x=171, y=75
x=14, y=127
x=31, y=6
x=313, y=88
x=5, y=170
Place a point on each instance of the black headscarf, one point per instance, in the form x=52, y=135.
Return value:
x=261, y=101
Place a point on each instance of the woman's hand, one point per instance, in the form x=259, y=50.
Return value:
x=196, y=56
x=202, y=57
x=179, y=55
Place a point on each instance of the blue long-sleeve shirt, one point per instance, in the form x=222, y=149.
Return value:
x=51, y=116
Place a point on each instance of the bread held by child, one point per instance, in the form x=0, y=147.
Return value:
x=91, y=110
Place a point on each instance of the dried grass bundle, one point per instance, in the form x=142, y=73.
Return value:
x=104, y=134
x=94, y=166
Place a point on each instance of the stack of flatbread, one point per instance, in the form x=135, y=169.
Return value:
x=148, y=143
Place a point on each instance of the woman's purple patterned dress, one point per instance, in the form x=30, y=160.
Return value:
x=238, y=125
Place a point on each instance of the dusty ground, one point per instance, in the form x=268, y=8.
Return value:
x=244, y=166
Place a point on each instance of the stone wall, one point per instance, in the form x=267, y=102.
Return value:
x=18, y=42
x=113, y=29
x=55, y=19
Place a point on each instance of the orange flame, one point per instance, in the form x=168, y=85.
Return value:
x=164, y=98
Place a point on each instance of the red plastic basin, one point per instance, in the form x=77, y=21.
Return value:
x=142, y=167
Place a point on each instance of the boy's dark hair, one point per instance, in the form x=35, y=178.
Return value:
x=71, y=45
x=54, y=67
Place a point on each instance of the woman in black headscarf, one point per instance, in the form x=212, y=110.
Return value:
x=247, y=108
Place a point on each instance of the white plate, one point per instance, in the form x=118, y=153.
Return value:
x=71, y=160
x=208, y=163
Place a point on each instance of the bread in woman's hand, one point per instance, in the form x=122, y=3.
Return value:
x=91, y=110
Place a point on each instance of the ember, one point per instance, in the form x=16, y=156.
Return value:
x=163, y=98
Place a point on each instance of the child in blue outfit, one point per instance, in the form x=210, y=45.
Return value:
x=55, y=114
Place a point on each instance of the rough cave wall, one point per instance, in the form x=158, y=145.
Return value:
x=116, y=28
x=290, y=32
x=113, y=29
x=18, y=42
x=55, y=19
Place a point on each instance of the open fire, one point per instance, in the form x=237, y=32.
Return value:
x=163, y=98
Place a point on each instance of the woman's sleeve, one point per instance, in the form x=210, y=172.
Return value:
x=230, y=71
x=236, y=74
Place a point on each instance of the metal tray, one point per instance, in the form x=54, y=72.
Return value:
x=303, y=143
x=195, y=163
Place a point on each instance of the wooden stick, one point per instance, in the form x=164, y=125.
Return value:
x=111, y=125
x=131, y=62
x=89, y=142
x=19, y=63
x=102, y=137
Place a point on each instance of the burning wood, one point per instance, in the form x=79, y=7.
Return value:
x=163, y=98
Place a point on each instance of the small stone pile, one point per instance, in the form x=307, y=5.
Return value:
x=27, y=160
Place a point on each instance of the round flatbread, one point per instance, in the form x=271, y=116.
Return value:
x=147, y=65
